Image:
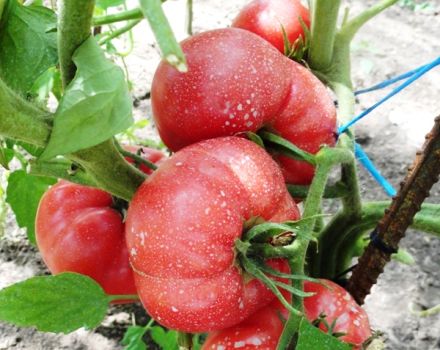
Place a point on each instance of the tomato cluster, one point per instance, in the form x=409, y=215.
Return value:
x=183, y=223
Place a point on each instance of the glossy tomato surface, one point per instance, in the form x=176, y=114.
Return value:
x=267, y=18
x=182, y=225
x=337, y=304
x=263, y=329
x=77, y=230
x=239, y=82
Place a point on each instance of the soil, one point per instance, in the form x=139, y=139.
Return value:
x=396, y=41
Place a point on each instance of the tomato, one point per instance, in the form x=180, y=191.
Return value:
x=337, y=304
x=78, y=230
x=260, y=331
x=239, y=82
x=263, y=329
x=267, y=18
x=181, y=227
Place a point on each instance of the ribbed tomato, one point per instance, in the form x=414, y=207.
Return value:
x=78, y=230
x=182, y=225
x=239, y=82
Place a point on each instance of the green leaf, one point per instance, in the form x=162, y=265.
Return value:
x=61, y=303
x=312, y=338
x=171, y=50
x=105, y=4
x=96, y=104
x=287, y=148
x=133, y=338
x=28, y=44
x=255, y=138
x=403, y=257
x=49, y=81
x=166, y=340
x=23, y=195
x=6, y=155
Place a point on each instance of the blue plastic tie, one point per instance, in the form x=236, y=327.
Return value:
x=389, y=82
x=409, y=81
x=368, y=164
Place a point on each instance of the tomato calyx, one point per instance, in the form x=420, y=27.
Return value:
x=322, y=319
x=250, y=254
x=120, y=205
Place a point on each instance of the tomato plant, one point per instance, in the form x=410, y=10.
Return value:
x=182, y=225
x=255, y=88
x=79, y=229
x=213, y=238
x=273, y=20
x=330, y=307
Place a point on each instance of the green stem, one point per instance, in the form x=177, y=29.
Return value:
x=2, y=6
x=74, y=22
x=118, y=17
x=61, y=169
x=138, y=159
x=189, y=17
x=20, y=120
x=108, y=168
x=352, y=26
x=324, y=20
x=184, y=341
x=326, y=159
x=111, y=35
x=114, y=297
x=337, y=190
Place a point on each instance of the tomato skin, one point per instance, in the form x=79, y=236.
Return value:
x=336, y=303
x=181, y=227
x=263, y=329
x=77, y=230
x=238, y=82
x=266, y=18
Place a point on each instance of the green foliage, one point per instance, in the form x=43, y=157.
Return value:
x=133, y=338
x=28, y=44
x=105, y=4
x=171, y=50
x=49, y=81
x=23, y=195
x=414, y=5
x=165, y=339
x=96, y=104
x=311, y=338
x=61, y=303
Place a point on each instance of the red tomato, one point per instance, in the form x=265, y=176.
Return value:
x=337, y=304
x=267, y=18
x=238, y=82
x=263, y=329
x=182, y=225
x=77, y=230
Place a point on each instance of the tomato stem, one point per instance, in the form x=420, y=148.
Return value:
x=113, y=297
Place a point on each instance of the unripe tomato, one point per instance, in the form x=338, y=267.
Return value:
x=78, y=230
x=239, y=82
x=263, y=329
x=182, y=225
x=267, y=18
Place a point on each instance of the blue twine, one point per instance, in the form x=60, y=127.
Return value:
x=412, y=78
x=389, y=82
x=368, y=164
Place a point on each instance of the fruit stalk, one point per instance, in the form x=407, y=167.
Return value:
x=391, y=229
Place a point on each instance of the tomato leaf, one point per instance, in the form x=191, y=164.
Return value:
x=96, y=104
x=49, y=81
x=171, y=50
x=105, y=4
x=312, y=338
x=23, y=195
x=133, y=338
x=28, y=44
x=166, y=340
x=61, y=303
